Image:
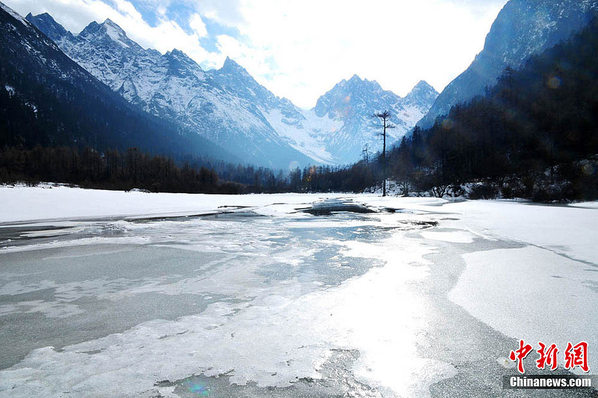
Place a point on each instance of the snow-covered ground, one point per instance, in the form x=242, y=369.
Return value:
x=49, y=202
x=106, y=293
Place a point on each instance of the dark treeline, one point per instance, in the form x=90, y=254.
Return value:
x=130, y=169
x=355, y=178
x=533, y=135
x=110, y=170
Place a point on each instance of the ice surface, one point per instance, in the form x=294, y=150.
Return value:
x=568, y=230
x=452, y=236
x=532, y=294
x=299, y=319
x=545, y=291
x=270, y=292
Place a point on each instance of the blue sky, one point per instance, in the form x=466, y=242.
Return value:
x=300, y=48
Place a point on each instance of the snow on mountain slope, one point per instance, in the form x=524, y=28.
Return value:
x=230, y=108
x=174, y=87
x=353, y=103
x=300, y=132
x=71, y=107
x=523, y=28
x=342, y=122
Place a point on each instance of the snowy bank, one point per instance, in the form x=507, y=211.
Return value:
x=22, y=203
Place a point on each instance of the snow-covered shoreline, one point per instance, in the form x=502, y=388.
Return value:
x=57, y=202
x=50, y=202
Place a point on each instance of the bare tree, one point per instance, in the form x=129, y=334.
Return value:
x=365, y=153
x=385, y=117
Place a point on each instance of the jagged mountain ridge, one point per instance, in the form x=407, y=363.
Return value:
x=66, y=105
x=173, y=87
x=522, y=28
x=228, y=106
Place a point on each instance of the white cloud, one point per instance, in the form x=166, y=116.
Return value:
x=316, y=43
x=198, y=26
x=300, y=49
x=226, y=12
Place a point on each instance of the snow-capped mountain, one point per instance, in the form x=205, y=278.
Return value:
x=352, y=103
x=522, y=28
x=174, y=87
x=66, y=105
x=232, y=109
x=279, y=115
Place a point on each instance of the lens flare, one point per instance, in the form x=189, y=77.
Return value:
x=447, y=124
x=554, y=82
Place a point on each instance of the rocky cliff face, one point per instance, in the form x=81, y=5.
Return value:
x=523, y=28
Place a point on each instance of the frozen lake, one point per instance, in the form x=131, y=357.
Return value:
x=131, y=294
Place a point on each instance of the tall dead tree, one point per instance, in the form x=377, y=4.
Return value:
x=385, y=117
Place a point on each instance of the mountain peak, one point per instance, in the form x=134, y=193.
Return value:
x=422, y=88
x=43, y=15
x=230, y=63
x=231, y=66
x=91, y=29
x=176, y=53
x=357, y=81
x=353, y=98
x=48, y=25
x=182, y=60
x=110, y=22
x=422, y=94
x=113, y=30
x=423, y=85
x=107, y=29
